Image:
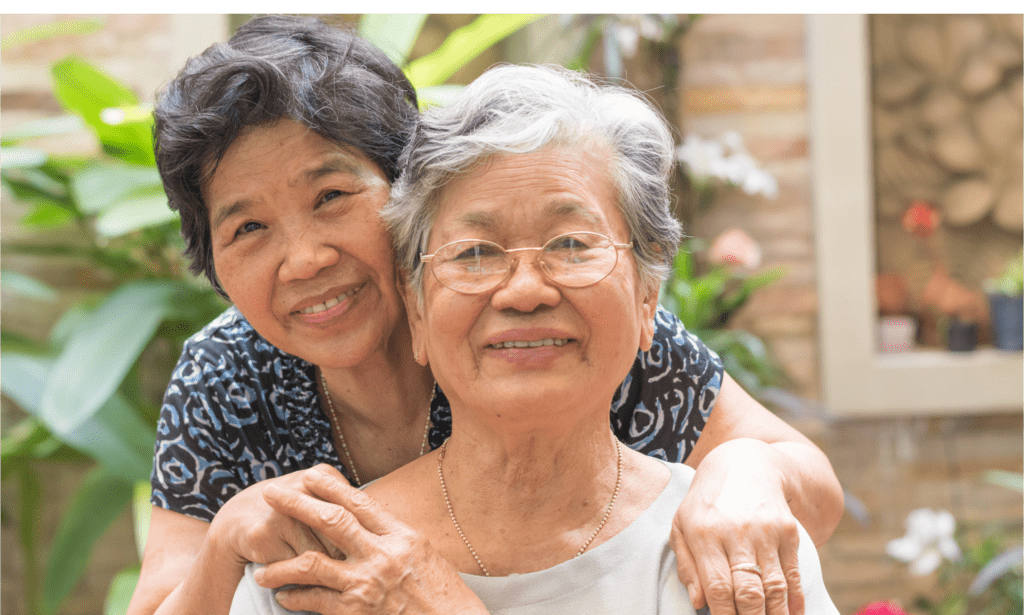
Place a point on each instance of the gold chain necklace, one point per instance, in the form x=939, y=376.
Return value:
x=341, y=434
x=593, y=535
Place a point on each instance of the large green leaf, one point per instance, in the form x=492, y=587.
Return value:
x=101, y=351
x=142, y=210
x=462, y=46
x=392, y=34
x=48, y=214
x=44, y=128
x=26, y=286
x=104, y=184
x=88, y=91
x=113, y=434
x=121, y=590
x=99, y=501
x=19, y=157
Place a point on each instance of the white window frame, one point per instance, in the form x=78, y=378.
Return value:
x=858, y=380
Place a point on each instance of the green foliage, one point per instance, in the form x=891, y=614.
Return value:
x=1011, y=281
x=82, y=388
x=705, y=302
x=988, y=579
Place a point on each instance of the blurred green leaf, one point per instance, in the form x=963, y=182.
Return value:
x=394, y=34
x=98, y=502
x=121, y=590
x=44, y=128
x=29, y=513
x=27, y=441
x=18, y=157
x=47, y=214
x=23, y=378
x=134, y=213
x=69, y=322
x=113, y=434
x=462, y=46
x=50, y=30
x=1010, y=480
x=88, y=91
x=141, y=512
x=101, y=351
x=106, y=184
x=34, y=183
x=26, y=286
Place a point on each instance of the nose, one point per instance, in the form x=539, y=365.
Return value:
x=526, y=288
x=305, y=254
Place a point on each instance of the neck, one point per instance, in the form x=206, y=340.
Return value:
x=382, y=406
x=539, y=485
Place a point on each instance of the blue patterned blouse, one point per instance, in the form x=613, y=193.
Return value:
x=238, y=411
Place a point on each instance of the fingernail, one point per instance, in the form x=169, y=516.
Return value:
x=258, y=575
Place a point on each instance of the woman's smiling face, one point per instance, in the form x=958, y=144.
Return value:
x=520, y=201
x=298, y=244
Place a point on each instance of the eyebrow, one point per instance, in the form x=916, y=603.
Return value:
x=328, y=167
x=557, y=210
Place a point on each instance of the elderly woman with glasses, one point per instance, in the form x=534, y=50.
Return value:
x=533, y=230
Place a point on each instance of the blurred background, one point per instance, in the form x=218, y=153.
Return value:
x=851, y=186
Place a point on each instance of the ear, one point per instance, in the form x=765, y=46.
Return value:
x=414, y=313
x=648, y=309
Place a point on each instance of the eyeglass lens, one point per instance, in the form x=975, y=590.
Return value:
x=573, y=260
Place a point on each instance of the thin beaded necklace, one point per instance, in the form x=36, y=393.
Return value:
x=341, y=434
x=593, y=535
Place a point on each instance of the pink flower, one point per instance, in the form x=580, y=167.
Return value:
x=735, y=247
x=882, y=608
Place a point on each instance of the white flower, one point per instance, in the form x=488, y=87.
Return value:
x=928, y=540
x=727, y=161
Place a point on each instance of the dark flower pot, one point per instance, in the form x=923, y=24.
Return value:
x=961, y=336
x=1007, y=321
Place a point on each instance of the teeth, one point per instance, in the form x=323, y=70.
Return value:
x=326, y=305
x=534, y=344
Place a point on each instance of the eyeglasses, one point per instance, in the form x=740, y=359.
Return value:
x=573, y=260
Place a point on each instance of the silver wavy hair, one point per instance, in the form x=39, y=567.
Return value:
x=523, y=109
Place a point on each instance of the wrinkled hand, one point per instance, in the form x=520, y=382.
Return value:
x=253, y=531
x=390, y=568
x=736, y=513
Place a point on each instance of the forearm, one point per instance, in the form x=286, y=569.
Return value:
x=209, y=587
x=811, y=488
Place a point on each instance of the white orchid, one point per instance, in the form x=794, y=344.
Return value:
x=928, y=540
x=726, y=160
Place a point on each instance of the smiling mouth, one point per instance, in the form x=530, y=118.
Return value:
x=326, y=305
x=534, y=344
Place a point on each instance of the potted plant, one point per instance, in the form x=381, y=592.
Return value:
x=961, y=311
x=1006, y=303
x=897, y=328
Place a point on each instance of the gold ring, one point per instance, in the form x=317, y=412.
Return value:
x=747, y=568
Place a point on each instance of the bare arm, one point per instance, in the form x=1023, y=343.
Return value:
x=191, y=566
x=755, y=477
x=810, y=484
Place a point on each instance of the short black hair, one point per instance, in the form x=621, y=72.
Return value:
x=275, y=67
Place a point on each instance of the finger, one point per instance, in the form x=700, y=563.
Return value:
x=325, y=519
x=791, y=570
x=310, y=568
x=748, y=591
x=311, y=599
x=686, y=567
x=328, y=484
x=716, y=582
x=774, y=584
